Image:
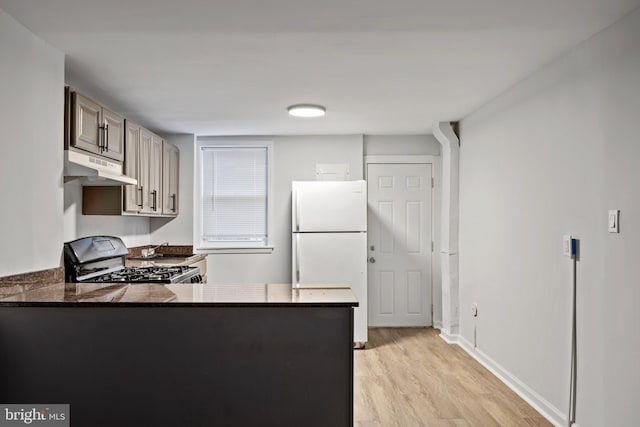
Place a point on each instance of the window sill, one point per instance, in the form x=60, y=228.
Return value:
x=232, y=250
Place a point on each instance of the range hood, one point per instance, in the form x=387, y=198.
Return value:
x=93, y=170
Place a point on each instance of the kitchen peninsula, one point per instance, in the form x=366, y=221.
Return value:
x=182, y=354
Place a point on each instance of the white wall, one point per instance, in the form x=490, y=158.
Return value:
x=31, y=131
x=426, y=145
x=134, y=231
x=295, y=158
x=548, y=158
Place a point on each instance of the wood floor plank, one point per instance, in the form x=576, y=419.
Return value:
x=410, y=377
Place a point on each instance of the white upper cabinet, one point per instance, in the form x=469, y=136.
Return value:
x=114, y=132
x=155, y=175
x=97, y=129
x=149, y=173
x=87, y=132
x=144, y=155
x=132, y=193
x=170, y=182
x=143, y=177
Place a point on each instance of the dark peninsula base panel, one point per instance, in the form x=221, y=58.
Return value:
x=182, y=366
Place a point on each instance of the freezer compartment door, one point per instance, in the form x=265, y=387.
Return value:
x=328, y=206
x=330, y=259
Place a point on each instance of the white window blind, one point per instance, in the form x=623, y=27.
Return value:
x=234, y=199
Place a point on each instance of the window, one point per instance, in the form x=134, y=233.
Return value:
x=232, y=210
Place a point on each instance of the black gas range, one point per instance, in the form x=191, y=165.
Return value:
x=101, y=259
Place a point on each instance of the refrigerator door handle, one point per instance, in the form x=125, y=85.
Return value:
x=297, y=259
x=297, y=214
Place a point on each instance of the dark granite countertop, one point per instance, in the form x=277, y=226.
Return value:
x=241, y=295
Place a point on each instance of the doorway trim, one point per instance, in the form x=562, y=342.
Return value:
x=436, y=276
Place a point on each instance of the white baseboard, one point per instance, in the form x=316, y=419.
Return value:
x=448, y=337
x=437, y=324
x=539, y=403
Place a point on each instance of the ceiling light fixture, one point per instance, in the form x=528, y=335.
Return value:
x=307, y=110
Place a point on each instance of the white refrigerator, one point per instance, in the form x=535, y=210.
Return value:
x=329, y=240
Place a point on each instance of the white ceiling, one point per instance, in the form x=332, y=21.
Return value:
x=222, y=67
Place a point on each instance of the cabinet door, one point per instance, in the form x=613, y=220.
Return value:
x=155, y=174
x=170, y=173
x=114, y=130
x=132, y=196
x=86, y=126
x=144, y=170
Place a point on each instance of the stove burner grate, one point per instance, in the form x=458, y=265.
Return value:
x=143, y=275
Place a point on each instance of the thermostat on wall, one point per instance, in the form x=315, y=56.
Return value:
x=332, y=172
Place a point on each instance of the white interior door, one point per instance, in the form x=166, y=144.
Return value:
x=399, y=217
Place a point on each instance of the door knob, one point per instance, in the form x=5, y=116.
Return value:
x=372, y=260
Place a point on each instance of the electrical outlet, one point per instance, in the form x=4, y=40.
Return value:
x=474, y=309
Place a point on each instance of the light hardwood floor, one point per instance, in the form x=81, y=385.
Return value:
x=410, y=377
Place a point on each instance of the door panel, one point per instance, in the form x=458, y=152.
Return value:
x=414, y=286
x=399, y=218
x=87, y=122
x=144, y=172
x=414, y=235
x=387, y=299
x=385, y=216
x=170, y=170
x=132, y=196
x=114, y=145
x=155, y=175
x=329, y=206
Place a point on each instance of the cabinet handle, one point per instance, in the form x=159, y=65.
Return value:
x=106, y=136
x=173, y=202
x=101, y=141
x=154, y=195
x=141, y=193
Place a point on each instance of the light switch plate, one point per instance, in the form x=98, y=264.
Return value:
x=566, y=245
x=614, y=218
